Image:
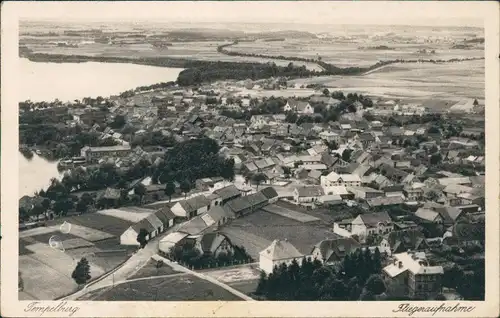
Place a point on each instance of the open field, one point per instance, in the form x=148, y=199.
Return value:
x=97, y=221
x=256, y=231
x=345, y=54
x=128, y=215
x=178, y=288
x=235, y=274
x=150, y=270
x=294, y=215
x=203, y=51
x=413, y=80
x=46, y=271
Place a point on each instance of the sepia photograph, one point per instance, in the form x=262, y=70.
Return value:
x=231, y=152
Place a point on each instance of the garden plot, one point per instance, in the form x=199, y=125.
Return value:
x=130, y=216
x=294, y=215
x=43, y=282
x=39, y=231
x=235, y=274
x=89, y=234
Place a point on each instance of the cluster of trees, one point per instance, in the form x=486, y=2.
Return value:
x=468, y=280
x=154, y=138
x=357, y=278
x=191, y=160
x=59, y=140
x=81, y=273
x=190, y=256
x=212, y=71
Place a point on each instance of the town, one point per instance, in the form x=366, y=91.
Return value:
x=256, y=181
x=199, y=178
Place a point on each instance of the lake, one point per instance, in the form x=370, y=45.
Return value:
x=70, y=81
x=35, y=174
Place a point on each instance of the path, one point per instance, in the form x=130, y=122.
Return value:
x=180, y=268
x=127, y=269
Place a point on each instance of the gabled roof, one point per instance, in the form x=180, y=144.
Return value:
x=426, y=214
x=219, y=212
x=335, y=250
x=269, y=192
x=281, y=250
x=310, y=191
x=210, y=241
x=164, y=214
x=372, y=219
x=227, y=192
x=406, y=240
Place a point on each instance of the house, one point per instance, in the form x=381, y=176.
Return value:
x=218, y=215
x=93, y=154
x=170, y=241
x=335, y=179
x=365, y=193
x=129, y=237
x=410, y=274
x=333, y=251
x=247, y=204
x=227, y=193
x=307, y=194
x=191, y=207
x=271, y=194
x=402, y=241
x=213, y=244
x=371, y=224
x=330, y=136
x=279, y=252
x=428, y=215
x=393, y=191
x=298, y=107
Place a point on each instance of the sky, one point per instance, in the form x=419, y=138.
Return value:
x=304, y=12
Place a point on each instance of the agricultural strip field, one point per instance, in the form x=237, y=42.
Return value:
x=178, y=288
x=127, y=215
x=256, y=231
x=46, y=272
x=202, y=51
x=413, y=80
x=105, y=223
x=301, y=217
x=348, y=54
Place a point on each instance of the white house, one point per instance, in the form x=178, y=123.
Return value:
x=372, y=223
x=299, y=107
x=335, y=179
x=191, y=207
x=307, y=194
x=280, y=251
x=155, y=224
x=330, y=136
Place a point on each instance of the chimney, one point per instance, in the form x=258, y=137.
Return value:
x=400, y=264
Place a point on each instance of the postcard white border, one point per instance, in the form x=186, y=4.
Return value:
x=11, y=307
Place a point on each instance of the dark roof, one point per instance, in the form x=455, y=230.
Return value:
x=219, y=212
x=269, y=192
x=336, y=249
x=164, y=214
x=449, y=213
x=195, y=203
x=243, y=203
x=227, y=192
x=401, y=241
x=207, y=240
x=372, y=219
x=143, y=224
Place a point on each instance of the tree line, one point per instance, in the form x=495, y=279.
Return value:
x=357, y=277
